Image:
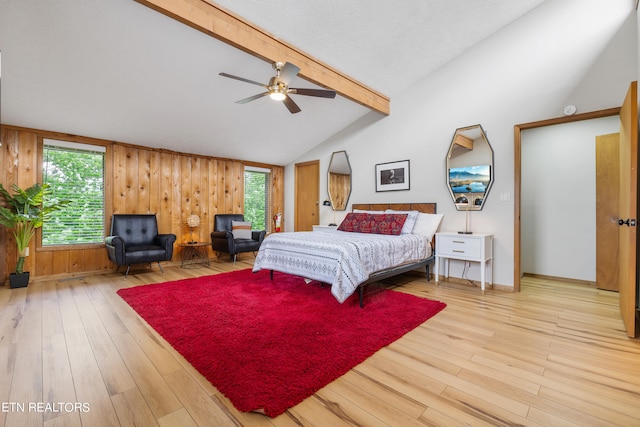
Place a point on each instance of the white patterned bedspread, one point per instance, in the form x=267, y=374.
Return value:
x=343, y=259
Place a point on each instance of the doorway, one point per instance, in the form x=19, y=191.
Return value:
x=518, y=129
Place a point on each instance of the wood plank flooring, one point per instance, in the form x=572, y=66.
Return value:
x=72, y=353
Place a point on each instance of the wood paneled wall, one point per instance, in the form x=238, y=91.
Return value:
x=170, y=184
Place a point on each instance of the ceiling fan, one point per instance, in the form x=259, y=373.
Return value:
x=278, y=87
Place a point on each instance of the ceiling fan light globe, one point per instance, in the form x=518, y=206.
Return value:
x=277, y=96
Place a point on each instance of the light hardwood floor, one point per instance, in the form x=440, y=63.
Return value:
x=555, y=354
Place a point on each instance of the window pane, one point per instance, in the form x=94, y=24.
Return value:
x=256, y=199
x=75, y=174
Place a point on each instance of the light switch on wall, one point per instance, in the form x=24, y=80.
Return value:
x=505, y=197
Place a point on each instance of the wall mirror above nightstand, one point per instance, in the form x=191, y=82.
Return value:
x=339, y=180
x=469, y=168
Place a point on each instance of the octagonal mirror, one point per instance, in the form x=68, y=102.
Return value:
x=469, y=168
x=339, y=180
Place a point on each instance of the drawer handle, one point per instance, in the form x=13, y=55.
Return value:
x=460, y=252
x=458, y=241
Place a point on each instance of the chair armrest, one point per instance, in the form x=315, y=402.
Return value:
x=221, y=234
x=223, y=241
x=115, y=249
x=115, y=241
x=258, y=235
x=166, y=241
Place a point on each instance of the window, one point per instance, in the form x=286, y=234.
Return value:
x=75, y=172
x=256, y=196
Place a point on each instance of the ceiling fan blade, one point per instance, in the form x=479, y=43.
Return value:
x=292, y=106
x=289, y=71
x=322, y=93
x=242, y=79
x=252, y=98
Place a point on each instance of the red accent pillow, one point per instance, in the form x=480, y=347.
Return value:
x=386, y=223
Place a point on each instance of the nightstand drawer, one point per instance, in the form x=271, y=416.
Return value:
x=462, y=246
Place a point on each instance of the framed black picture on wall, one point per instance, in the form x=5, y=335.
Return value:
x=392, y=176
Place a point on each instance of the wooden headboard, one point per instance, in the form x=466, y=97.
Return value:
x=420, y=207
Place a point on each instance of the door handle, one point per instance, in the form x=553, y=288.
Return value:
x=628, y=221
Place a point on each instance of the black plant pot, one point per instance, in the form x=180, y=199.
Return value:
x=19, y=280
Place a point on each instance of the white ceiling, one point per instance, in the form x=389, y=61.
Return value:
x=386, y=45
x=121, y=71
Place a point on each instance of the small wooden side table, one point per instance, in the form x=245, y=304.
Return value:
x=194, y=255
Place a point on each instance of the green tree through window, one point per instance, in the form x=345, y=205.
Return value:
x=256, y=197
x=75, y=172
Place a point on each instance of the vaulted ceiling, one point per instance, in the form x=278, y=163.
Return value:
x=120, y=70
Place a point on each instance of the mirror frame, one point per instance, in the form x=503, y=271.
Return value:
x=463, y=142
x=336, y=203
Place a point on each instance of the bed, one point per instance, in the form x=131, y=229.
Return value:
x=349, y=261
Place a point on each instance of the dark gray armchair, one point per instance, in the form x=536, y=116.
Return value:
x=222, y=239
x=134, y=239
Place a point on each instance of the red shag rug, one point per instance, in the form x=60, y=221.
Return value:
x=268, y=345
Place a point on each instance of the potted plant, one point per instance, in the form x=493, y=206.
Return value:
x=24, y=212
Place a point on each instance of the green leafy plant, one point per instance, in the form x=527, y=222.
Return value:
x=25, y=211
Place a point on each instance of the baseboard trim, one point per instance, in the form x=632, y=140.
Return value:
x=473, y=284
x=559, y=279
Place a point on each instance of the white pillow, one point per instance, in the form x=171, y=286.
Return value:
x=241, y=229
x=427, y=224
x=410, y=222
x=369, y=212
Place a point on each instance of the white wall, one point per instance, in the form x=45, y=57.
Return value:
x=558, y=203
x=526, y=72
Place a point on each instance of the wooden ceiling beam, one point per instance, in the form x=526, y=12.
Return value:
x=225, y=26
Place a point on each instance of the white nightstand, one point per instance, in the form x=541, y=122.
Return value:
x=476, y=247
x=325, y=228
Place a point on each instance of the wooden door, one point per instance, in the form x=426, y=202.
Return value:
x=607, y=202
x=628, y=208
x=307, y=193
